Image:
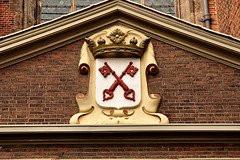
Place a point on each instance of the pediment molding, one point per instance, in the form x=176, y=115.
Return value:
x=42, y=38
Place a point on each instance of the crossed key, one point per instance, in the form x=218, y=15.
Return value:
x=108, y=93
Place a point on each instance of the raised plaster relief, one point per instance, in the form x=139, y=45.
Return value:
x=118, y=65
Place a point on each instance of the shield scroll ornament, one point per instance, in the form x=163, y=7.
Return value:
x=118, y=60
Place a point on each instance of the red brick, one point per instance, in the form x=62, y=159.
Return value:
x=226, y=16
x=130, y=151
x=193, y=89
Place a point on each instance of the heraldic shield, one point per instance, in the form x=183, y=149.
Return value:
x=118, y=60
x=118, y=83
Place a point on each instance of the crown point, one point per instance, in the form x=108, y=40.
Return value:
x=133, y=41
x=101, y=41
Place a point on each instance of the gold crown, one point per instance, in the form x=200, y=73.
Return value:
x=118, y=48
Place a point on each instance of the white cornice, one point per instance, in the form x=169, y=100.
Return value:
x=42, y=38
x=67, y=128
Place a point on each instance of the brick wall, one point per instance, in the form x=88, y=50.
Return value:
x=7, y=18
x=213, y=13
x=130, y=151
x=195, y=89
x=225, y=14
x=42, y=90
x=16, y=15
x=228, y=15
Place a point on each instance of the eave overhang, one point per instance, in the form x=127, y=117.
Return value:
x=42, y=38
x=119, y=134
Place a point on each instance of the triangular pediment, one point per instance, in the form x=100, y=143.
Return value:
x=42, y=38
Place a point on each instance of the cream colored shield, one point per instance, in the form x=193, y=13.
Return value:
x=118, y=83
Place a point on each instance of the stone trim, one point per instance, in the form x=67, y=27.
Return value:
x=42, y=38
x=119, y=134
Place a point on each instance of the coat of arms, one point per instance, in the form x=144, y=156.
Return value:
x=117, y=61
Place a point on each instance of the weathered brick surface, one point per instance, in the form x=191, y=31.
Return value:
x=42, y=89
x=6, y=18
x=228, y=13
x=131, y=151
x=194, y=89
x=16, y=15
x=213, y=13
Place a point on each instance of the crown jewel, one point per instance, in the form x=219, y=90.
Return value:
x=118, y=47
